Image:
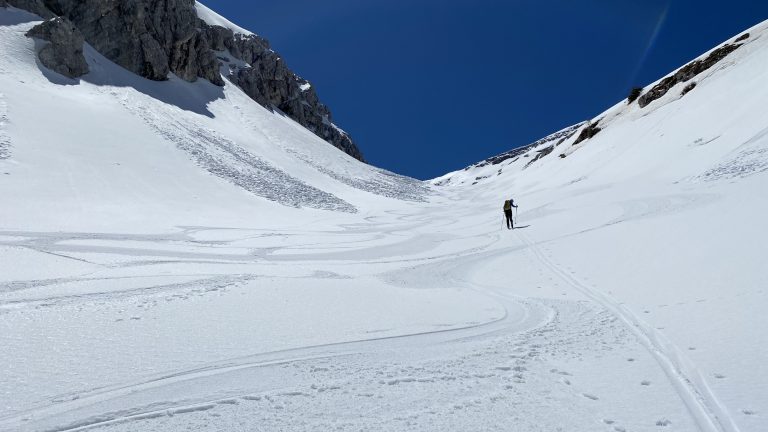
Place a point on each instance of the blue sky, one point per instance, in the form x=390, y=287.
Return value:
x=430, y=86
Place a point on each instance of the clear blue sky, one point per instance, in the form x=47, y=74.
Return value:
x=430, y=86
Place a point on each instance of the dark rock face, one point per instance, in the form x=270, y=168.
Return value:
x=688, y=88
x=64, y=53
x=634, y=94
x=540, y=154
x=743, y=37
x=588, y=132
x=148, y=37
x=688, y=72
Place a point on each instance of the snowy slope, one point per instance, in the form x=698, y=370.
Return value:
x=212, y=18
x=658, y=218
x=175, y=257
x=176, y=128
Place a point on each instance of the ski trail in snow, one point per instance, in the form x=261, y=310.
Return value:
x=527, y=316
x=5, y=139
x=704, y=406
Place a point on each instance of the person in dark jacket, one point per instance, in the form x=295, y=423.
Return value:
x=508, y=206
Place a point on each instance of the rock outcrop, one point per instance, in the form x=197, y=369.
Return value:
x=588, y=132
x=268, y=81
x=153, y=38
x=148, y=37
x=690, y=71
x=64, y=51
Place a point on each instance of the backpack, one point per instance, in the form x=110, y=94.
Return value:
x=507, y=205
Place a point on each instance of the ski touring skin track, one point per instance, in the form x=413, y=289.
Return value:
x=703, y=405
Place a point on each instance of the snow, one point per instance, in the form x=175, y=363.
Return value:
x=175, y=257
x=212, y=18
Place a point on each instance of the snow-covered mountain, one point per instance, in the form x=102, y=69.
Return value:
x=122, y=146
x=154, y=38
x=180, y=255
x=697, y=103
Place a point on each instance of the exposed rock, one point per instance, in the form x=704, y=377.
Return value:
x=560, y=137
x=687, y=72
x=588, y=132
x=540, y=154
x=743, y=37
x=688, y=88
x=269, y=82
x=634, y=94
x=219, y=38
x=148, y=37
x=64, y=53
x=37, y=7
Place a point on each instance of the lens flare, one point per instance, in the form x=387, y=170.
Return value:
x=651, y=43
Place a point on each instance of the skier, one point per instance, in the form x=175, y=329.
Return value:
x=508, y=205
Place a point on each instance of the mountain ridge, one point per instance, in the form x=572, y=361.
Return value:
x=684, y=80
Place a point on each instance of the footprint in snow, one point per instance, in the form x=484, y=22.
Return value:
x=663, y=423
x=608, y=421
x=645, y=383
x=590, y=396
x=748, y=412
x=719, y=376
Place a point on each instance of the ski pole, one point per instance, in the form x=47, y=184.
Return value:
x=515, y=215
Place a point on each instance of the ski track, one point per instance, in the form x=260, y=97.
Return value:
x=460, y=374
x=5, y=139
x=583, y=362
x=702, y=403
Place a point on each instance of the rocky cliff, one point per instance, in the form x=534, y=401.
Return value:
x=153, y=38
